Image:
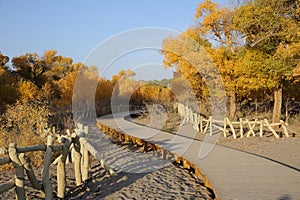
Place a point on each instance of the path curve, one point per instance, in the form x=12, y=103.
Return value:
x=232, y=173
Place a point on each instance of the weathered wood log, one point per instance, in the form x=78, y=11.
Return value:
x=7, y=185
x=284, y=128
x=70, y=156
x=232, y=128
x=201, y=124
x=61, y=168
x=210, y=126
x=251, y=127
x=241, y=128
x=206, y=126
x=76, y=160
x=30, y=173
x=225, y=128
x=84, y=151
x=56, y=160
x=19, y=178
x=84, y=162
x=4, y=161
x=261, y=126
x=45, y=173
x=38, y=147
x=271, y=129
x=61, y=179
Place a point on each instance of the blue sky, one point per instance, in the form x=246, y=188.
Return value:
x=76, y=27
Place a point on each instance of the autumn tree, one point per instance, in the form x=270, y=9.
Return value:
x=58, y=66
x=124, y=87
x=8, y=84
x=31, y=68
x=186, y=54
x=103, y=95
x=271, y=31
x=216, y=24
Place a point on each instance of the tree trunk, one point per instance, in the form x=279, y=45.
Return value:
x=232, y=105
x=277, y=105
x=287, y=111
x=256, y=107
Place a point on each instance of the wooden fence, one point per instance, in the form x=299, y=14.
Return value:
x=72, y=147
x=241, y=128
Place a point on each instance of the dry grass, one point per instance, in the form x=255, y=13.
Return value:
x=24, y=124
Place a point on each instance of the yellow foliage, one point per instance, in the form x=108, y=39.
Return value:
x=29, y=91
x=8, y=89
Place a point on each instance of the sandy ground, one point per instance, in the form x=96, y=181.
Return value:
x=171, y=182
x=283, y=150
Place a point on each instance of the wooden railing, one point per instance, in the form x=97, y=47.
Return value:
x=236, y=128
x=73, y=144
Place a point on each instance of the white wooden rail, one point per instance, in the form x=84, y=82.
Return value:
x=203, y=124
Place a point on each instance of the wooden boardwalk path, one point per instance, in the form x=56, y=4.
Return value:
x=233, y=174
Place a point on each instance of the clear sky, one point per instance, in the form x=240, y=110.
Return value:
x=74, y=28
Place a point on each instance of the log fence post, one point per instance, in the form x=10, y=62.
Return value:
x=225, y=128
x=211, y=125
x=76, y=159
x=271, y=129
x=45, y=173
x=84, y=155
x=61, y=167
x=19, y=170
x=241, y=128
x=284, y=128
x=30, y=173
x=201, y=124
x=261, y=126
